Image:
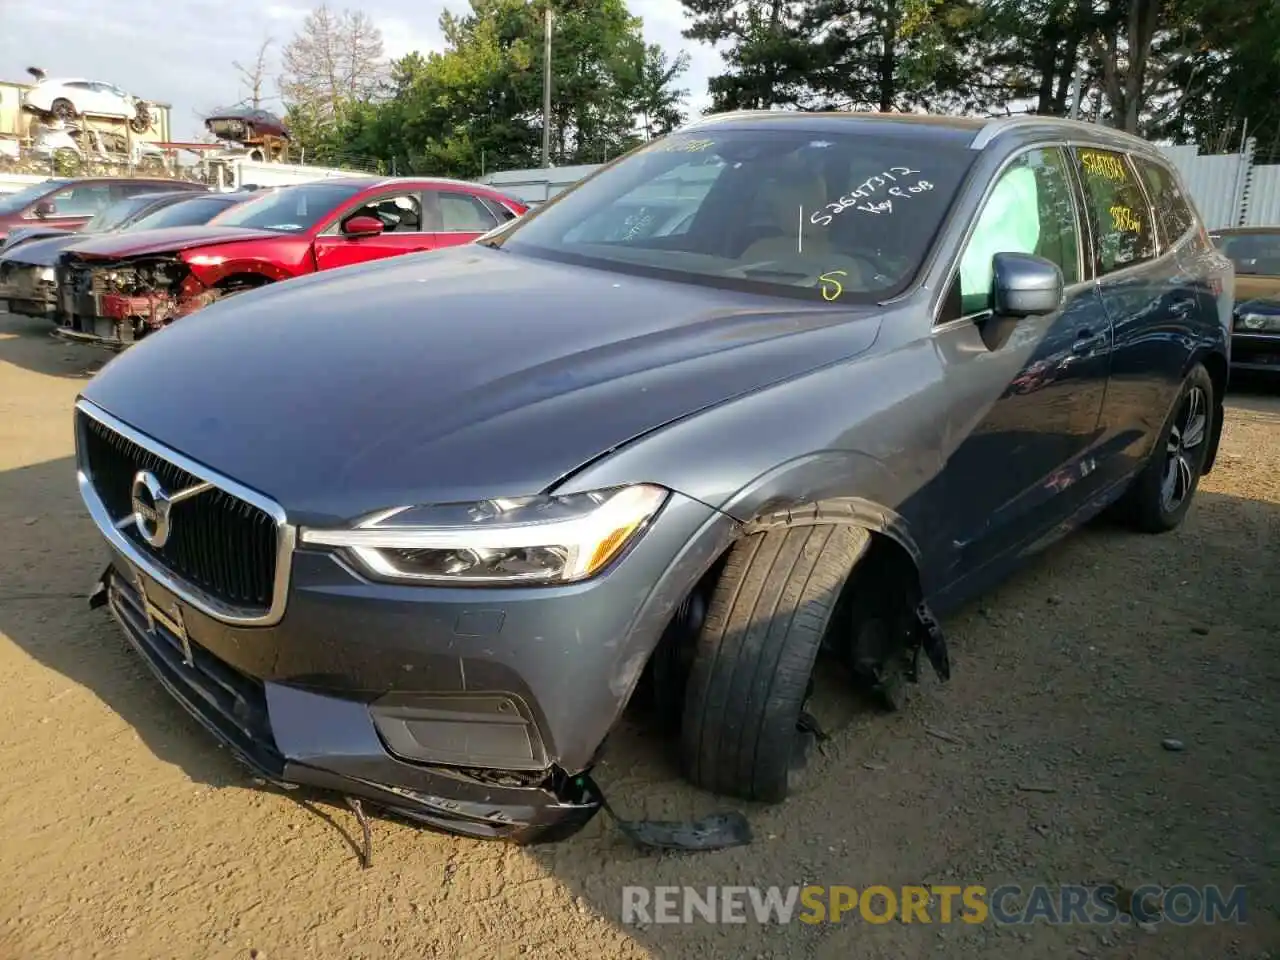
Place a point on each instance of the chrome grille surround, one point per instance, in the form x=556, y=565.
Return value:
x=113, y=527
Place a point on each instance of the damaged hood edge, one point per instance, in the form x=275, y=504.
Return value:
x=167, y=240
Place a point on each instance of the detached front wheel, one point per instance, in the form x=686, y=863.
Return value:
x=744, y=731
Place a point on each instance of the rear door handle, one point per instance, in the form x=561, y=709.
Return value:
x=1086, y=341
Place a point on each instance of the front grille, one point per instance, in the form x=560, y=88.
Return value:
x=218, y=543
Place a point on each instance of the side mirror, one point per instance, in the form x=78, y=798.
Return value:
x=1024, y=285
x=362, y=227
x=44, y=208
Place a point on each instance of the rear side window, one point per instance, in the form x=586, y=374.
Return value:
x=463, y=213
x=1120, y=219
x=1173, y=213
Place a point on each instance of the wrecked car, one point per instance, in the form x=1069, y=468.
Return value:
x=417, y=531
x=121, y=289
x=70, y=204
x=29, y=265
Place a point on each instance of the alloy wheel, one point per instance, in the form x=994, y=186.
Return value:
x=1184, y=449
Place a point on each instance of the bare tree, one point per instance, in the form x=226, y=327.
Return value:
x=254, y=76
x=336, y=57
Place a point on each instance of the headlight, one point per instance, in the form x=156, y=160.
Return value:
x=528, y=540
x=1258, y=322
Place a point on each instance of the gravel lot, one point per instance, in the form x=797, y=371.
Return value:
x=125, y=833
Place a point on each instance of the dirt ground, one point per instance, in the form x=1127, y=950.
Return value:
x=125, y=833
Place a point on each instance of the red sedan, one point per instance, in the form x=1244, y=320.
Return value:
x=116, y=290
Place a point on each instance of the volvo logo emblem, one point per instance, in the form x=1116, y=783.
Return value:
x=151, y=505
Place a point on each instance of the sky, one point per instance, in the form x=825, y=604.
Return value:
x=182, y=52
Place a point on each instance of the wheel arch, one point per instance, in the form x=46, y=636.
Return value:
x=833, y=487
x=803, y=492
x=243, y=278
x=1219, y=372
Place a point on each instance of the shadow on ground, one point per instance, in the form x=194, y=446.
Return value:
x=1040, y=762
x=29, y=343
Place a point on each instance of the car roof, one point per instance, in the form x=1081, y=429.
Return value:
x=977, y=132
x=175, y=186
x=372, y=183
x=926, y=126
x=169, y=194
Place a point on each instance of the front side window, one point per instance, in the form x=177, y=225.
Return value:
x=463, y=213
x=1121, y=221
x=401, y=213
x=1029, y=210
x=289, y=209
x=833, y=214
x=1173, y=213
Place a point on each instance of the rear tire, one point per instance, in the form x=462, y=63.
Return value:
x=742, y=733
x=63, y=109
x=1159, y=497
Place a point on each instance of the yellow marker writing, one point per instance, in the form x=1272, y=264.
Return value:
x=1125, y=219
x=831, y=287
x=1102, y=165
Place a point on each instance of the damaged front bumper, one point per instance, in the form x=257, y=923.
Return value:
x=115, y=305
x=292, y=737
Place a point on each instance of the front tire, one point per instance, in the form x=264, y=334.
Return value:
x=1161, y=494
x=743, y=733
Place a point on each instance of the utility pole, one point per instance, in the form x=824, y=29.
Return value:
x=546, y=91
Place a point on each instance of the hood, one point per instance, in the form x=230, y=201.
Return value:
x=23, y=234
x=39, y=253
x=451, y=376
x=133, y=243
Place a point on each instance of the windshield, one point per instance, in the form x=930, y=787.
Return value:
x=291, y=209
x=13, y=202
x=1257, y=254
x=820, y=215
x=184, y=213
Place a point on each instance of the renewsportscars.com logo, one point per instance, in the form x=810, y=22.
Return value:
x=1009, y=904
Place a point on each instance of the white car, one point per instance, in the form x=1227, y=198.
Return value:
x=68, y=99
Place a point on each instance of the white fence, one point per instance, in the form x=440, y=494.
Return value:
x=537, y=185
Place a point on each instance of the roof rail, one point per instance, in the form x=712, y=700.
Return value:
x=998, y=125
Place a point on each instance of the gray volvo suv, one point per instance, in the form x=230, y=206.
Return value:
x=776, y=388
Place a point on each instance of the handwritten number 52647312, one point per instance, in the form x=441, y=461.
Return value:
x=867, y=190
